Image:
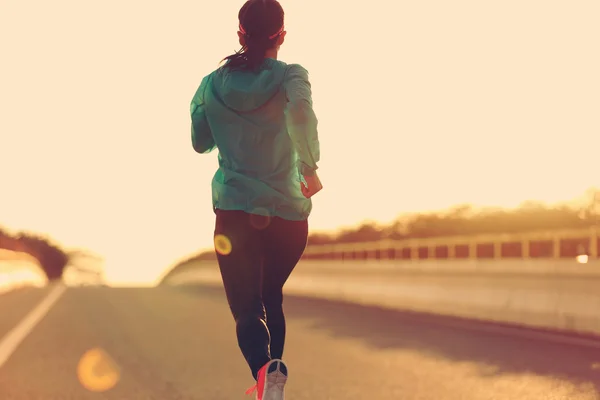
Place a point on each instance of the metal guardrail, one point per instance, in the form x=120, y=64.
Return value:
x=580, y=244
x=543, y=244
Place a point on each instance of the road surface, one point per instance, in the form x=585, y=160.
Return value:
x=173, y=343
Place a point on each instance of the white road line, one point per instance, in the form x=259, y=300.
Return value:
x=11, y=341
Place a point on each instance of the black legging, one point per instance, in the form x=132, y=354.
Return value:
x=263, y=253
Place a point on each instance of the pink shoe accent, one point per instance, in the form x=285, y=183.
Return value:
x=259, y=386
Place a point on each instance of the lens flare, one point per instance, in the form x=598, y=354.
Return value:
x=222, y=245
x=259, y=221
x=97, y=371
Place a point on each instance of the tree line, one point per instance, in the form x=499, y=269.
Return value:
x=51, y=257
x=466, y=220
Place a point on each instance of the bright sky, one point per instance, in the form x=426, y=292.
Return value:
x=422, y=105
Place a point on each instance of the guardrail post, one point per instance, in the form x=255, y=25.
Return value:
x=594, y=243
x=473, y=250
x=525, y=249
x=555, y=247
x=498, y=249
x=414, y=252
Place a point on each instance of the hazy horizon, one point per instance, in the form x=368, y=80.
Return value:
x=422, y=106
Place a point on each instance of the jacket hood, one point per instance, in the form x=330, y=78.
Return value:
x=245, y=91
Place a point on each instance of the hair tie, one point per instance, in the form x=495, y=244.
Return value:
x=279, y=32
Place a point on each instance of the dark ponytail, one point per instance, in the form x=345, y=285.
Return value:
x=261, y=21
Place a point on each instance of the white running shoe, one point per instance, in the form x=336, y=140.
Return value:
x=272, y=378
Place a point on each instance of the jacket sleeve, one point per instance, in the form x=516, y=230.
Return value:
x=202, y=138
x=301, y=120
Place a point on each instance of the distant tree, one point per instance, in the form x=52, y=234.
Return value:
x=320, y=238
x=51, y=257
x=366, y=232
x=590, y=209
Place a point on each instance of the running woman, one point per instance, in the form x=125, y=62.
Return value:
x=257, y=111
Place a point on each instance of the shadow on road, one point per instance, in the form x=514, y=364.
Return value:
x=433, y=335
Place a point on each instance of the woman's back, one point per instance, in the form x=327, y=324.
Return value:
x=263, y=125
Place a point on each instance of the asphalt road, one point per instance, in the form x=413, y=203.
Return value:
x=169, y=343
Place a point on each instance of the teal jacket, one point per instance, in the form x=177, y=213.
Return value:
x=265, y=130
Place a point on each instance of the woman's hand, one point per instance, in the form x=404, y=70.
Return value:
x=314, y=185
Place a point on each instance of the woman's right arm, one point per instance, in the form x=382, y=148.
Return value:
x=202, y=138
x=301, y=120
